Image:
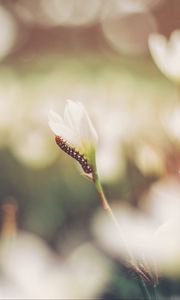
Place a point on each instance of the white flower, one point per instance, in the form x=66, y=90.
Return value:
x=75, y=134
x=166, y=54
x=46, y=275
x=152, y=232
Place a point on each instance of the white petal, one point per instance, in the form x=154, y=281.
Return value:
x=57, y=125
x=174, y=55
x=77, y=118
x=76, y=128
x=55, y=122
x=166, y=54
x=174, y=41
x=73, y=114
x=53, y=116
x=158, y=48
x=87, y=130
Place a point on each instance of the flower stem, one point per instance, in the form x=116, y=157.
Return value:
x=143, y=287
x=155, y=292
x=108, y=208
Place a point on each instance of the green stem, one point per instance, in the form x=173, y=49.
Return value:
x=143, y=287
x=155, y=292
x=108, y=208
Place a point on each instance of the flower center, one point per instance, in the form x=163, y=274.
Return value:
x=64, y=145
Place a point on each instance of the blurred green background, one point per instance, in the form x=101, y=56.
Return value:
x=97, y=53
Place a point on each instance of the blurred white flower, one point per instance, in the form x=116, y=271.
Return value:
x=32, y=271
x=110, y=160
x=71, y=13
x=23, y=140
x=152, y=234
x=116, y=7
x=171, y=122
x=149, y=159
x=75, y=131
x=8, y=32
x=166, y=54
x=114, y=128
x=128, y=33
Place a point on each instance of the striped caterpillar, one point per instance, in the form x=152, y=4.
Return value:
x=74, y=153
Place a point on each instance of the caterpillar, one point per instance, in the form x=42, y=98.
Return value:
x=64, y=145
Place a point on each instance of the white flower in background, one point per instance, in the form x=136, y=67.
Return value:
x=166, y=54
x=75, y=134
x=8, y=32
x=152, y=234
x=171, y=122
x=149, y=158
x=31, y=270
x=23, y=140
